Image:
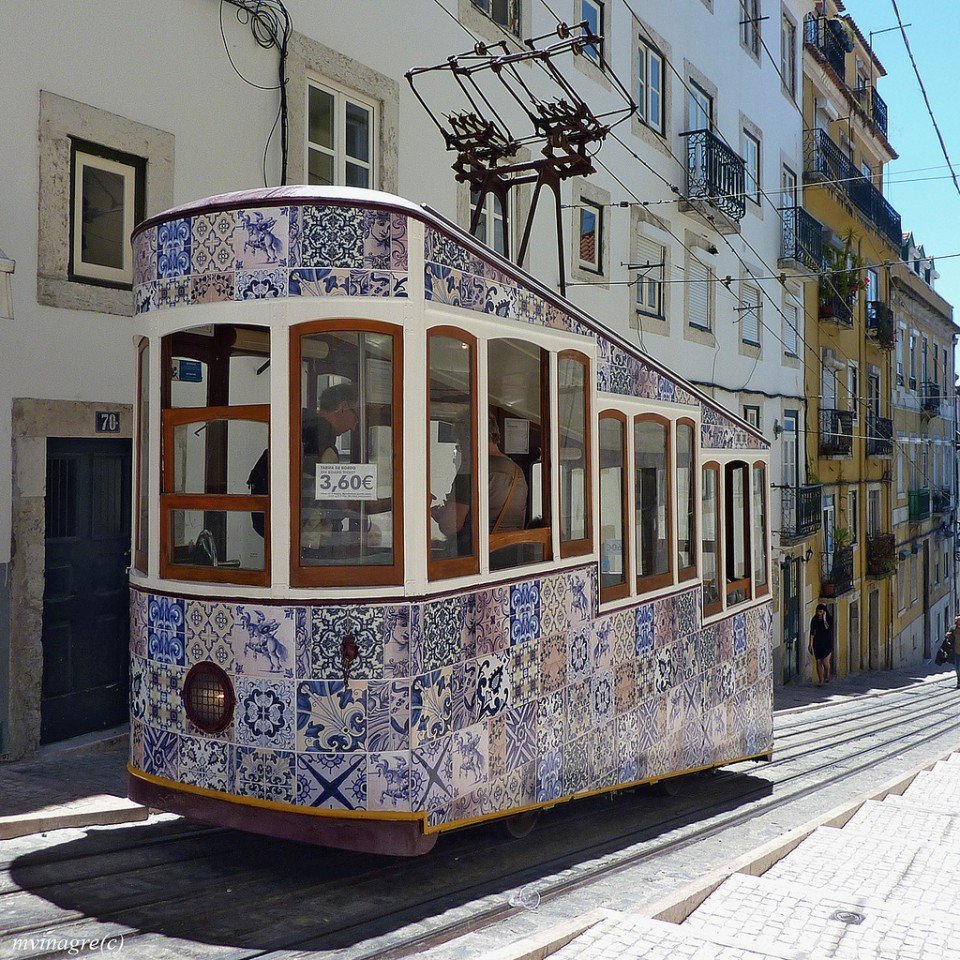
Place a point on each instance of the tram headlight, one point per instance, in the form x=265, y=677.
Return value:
x=208, y=697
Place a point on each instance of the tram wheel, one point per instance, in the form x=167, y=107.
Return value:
x=666, y=788
x=520, y=825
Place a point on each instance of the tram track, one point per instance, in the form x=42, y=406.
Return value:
x=392, y=874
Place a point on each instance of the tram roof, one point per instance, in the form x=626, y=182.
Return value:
x=302, y=194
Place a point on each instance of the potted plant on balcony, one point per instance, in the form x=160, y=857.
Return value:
x=842, y=540
x=842, y=278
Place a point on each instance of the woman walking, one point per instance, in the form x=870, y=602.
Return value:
x=821, y=642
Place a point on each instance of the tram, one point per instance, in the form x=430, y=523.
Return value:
x=418, y=543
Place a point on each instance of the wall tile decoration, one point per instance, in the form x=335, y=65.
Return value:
x=265, y=713
x=333, y=781
x=331, y=716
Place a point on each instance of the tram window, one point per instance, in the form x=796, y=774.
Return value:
x=710, y=544
x=143, y=456
x=518, y=436
x=613, y=507
x=686, y=500
x=452, y=454
x=738, y=529
x=215, y=482
x=346, y=422
x=760, y=528
x=573, y=472
x=653, y=505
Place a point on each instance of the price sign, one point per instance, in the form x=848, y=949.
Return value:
x=346, y=481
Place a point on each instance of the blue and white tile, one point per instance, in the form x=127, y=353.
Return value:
x=265, y=713
x=491, y=617
x=264, y=639
x=332, y=781
x=213, y=288
x=440, y=634
x=549, y=776
x=334, y=625
x=160, y=753
x=551, y=721
x=145, y=256
x=260, y=238
x=493, y=685
x=388, y=781
x=524, y=611
x=164, y=704
x=644, y=628
x=174, y=242
x=207, y=628
x=521, y=728
x=580, y=654
x=331, y=717
x=173, y=292
x=206, y=763
x=579, y=704
x=331, y=237
x=388, y=715
x=470, y=757
x=396, y=642
x=212, y=243
x=165, y=630
x=431, y=775
x=581, y=592
x=266, y=774
x=261, y=284
x=578, y=771
x=139, y=617
x=431, y=705
x=601, y=697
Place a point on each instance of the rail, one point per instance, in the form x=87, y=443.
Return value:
x=881, y=555
x=880, y=324
x=715, y=173
x=801, y=238
x=874, y=106
x=800, y=511
x=836, y=433
x=836, y=572
x=818, y=33
x=879, y=436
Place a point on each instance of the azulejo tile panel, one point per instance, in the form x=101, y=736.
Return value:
x=503, y=717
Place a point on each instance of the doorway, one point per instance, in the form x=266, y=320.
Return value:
x=86, y=626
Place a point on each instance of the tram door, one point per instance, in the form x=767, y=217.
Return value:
x=86, y=623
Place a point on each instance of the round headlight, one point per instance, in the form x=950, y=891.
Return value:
x=208, y=697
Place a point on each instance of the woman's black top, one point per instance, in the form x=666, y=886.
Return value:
x=822, y=633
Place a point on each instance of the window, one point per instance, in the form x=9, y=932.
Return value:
x=789, y=197
x=505, y=13
x=141, y=537
x=215, y=477
x=791, y=330
x=751, y=413
x=591, y=11
x=340, y=137
x=686, y=499
x=452, y=453
x=914, y=578
x=591, y=225
x=347, y=456
x=710, y=544
x=493, y=224
x=518, y=453
x=750, y=148
x=653, y=501
x=107, y=200
x=649, y=277
x=614, y=546
x=573, y=474
x=698, y=294
x=853, y=514
x=901, y=489
x=699, y=108
x=900, y=357
x=750, y=309
x=737, y=508
x=650, y=86
x=788, y=54
x=760, y=529
x=902, y=586
x=750, y=25
x=873, y=285
x=913, y=361
x=853, y=389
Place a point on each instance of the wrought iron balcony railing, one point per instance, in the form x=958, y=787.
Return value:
x=836, y=572
x=824, y=160
x=881, y=555
x=919, y=504
x=880, y=324
x=931, y=397
x=801, y=238
x=836, y=433
x=801, y=511
x=818, y=33
x=836, y=309
x=873, y=105
x=715, y=174
x=942, y=500
x=879, y=436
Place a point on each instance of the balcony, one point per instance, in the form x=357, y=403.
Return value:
x=819, y=33
x=881, y=555
x=880, y=324
x=825, y=161
x=836, y=572
x=836, y=309
x=715, y=181
x=919, y=501
x=879, y=436
x=800, y=511
x=836, y=433
x=872, y=105
x=931, y=398
x=801, y=238
x=942, y=500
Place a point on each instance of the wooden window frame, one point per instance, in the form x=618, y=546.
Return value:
x=230, y=502
x=457, y=566
x=744, y=583
x=762, y=589
x=665, y=579
x=355, y=576
x=620, y=591
x=690, y=572
x=711, y=609
x=141, y=547
x=583, y=546
x=542, y=535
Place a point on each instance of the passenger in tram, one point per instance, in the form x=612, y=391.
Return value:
x=508, y=487
x=821, y=642
x=453, y=514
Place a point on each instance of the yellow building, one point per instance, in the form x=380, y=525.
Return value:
x=925, y=430
x=849, y=560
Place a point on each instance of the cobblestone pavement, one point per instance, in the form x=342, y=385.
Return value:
x=874, y=889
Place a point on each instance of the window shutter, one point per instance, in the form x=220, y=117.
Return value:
x=790, y=331
x=648, y=280
x=750, y=314
x=698, y=292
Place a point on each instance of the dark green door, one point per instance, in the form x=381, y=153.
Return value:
x=86, y=623
x=791, y=619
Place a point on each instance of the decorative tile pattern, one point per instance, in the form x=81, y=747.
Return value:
x=207, y=628
x=491, y=617
x=388, y=715
x=439, y=638
x=333, y=781
x=174, y=242
x=553, y=663
x=470, y=757
x=266, y=774
x=493, y=685
x=431, y=774
x=331, y=717
x=265, y=713
x=431, y=705
x=260, y=238
x=524, y=611
x=388, y=781
x=332, y=626
x=206, y=763
x=164, y=706
x=264, y=640
x=165, y=630
x=212, y=243
x=160, y=752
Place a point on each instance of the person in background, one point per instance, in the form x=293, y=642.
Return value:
x=820, y=643
x=956, y=648
x=507, y=485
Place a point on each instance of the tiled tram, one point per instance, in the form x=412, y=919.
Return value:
x=417, y=543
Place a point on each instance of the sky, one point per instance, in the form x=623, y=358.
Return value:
x=929, y=207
